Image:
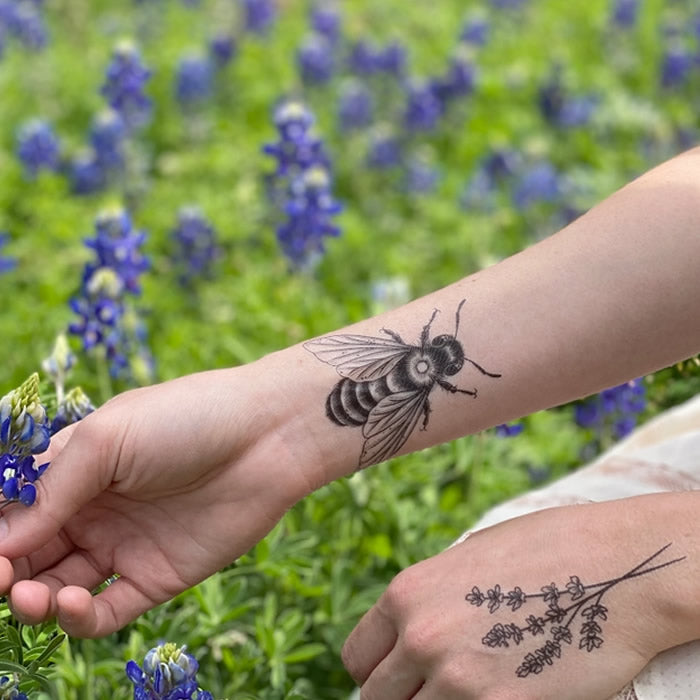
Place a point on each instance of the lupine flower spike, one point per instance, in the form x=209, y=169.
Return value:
x=24, y=432
x=301, y=186
x=6, y=264
x=9, y=690
x=168, y=673
x=124, y=86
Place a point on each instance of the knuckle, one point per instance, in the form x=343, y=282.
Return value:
x=401, y=590
x=421, y=640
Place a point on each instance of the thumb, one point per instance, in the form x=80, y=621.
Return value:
x=79, y=470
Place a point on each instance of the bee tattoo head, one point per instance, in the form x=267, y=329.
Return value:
x=386, y=383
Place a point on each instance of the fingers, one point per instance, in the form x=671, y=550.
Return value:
x=393, y=679
x=80, y=469
x=78, y=612
x=82, y=615
x=368, y=644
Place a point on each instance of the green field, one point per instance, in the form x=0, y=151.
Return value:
x=271, y=626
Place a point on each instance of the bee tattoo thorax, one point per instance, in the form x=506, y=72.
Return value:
x=386, y=382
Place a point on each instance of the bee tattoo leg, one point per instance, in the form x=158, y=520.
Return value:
x=481, y=369
x=426, y=414
x=393, y=335
x=454, y=390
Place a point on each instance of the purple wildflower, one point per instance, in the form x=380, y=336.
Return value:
x=193, y=82
x=195, y=244
x=316, y=59
x=168, y=673
x=423, y=109
x=475, y=31
x=625, y=12
x=355, y=105
x=222, y=49
x=124, y=86
x=6, y=264
x=676, y=66
x=301, y=186
x=384, y=149
x=540, y=183
x=326, y=20
x=258, y=15
x=37, y=147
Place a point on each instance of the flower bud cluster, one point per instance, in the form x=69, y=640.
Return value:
x=23, y=20
x=9, y=690
x=302, y=185
x=124, y=85
x=168, y=673
x=6, y=264
x=38, y=147
x=24, y=432
x=107, y=280
x=195, y=244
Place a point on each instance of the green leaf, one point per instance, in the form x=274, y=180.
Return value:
x=305, y=652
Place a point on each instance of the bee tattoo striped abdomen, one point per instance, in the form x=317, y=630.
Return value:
x=386, y=383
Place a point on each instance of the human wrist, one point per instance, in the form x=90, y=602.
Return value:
x=295, y=395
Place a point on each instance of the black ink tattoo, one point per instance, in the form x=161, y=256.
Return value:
x=564, y=605
x=386, y=383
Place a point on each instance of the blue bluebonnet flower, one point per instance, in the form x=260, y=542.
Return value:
x=107, y=279
x=355, y=105
x=124, y=85
x=316, y=59
x=613, y=413
x=423, y=108
x=326, y=20
x=71, y=409
x=23, y=19
x=222, y=49
x=298, y=147
x=508, y=4
x=117, y=246
x=625, y=12
x=168, y=673
x=539, y=183
x=384, y=149
x=458, y=81
x=301, y=185
x=37, y=147
x=85, y=173
x=362, y=59
x=6, y=264
x=258, y=15
x=9, y=689
x=309, y=210
x=195, y=244
x=24, y=432
x=560, y=108
x=366, y=58
x=475, y=30
x=392, y=59
x=420, y=175
x=676, y=66
x=193, y=82
x=509, y=429
x=107, y=135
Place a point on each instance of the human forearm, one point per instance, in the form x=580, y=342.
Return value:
x=611, y=297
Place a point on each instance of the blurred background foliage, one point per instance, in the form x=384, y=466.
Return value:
x=560, y=104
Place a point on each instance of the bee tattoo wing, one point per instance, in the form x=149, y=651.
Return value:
x=358, y=357
x=390, y=423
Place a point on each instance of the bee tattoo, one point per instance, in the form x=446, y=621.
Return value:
x=386, y=382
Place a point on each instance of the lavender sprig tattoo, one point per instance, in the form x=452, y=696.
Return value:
x=564, y=605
